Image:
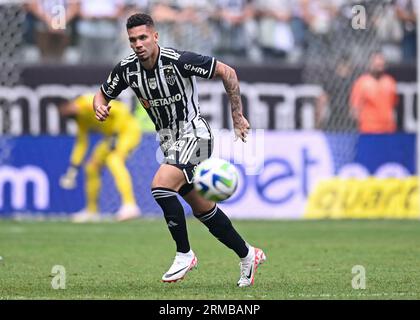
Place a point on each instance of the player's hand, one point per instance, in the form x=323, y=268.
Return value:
x=102, y=112
x=241, y=126
x=68, y=181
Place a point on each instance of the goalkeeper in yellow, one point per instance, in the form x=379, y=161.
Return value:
x=121, y=135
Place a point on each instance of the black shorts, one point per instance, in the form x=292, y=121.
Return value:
x=186, y=153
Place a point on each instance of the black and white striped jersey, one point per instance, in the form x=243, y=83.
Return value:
x=168, y=92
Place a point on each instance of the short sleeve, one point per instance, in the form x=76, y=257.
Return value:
x=115, y=83
x=193, y=64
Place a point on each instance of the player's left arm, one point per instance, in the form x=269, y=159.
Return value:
x=231, y=84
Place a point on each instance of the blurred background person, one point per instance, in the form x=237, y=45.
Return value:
x=275, y=33
x=129, y=7
x=374, y=98
x=332, y=109
x=406, y=12
x=97, y=28
x=193, y=32
x=319, y=17
x=299, y=27
x=52, y=29
x=236, y=29
x=133, y=6
x=165, y=13
x=121, y=135
x=390, y=33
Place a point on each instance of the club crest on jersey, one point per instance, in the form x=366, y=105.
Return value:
x=152, y=83
x=169, y=73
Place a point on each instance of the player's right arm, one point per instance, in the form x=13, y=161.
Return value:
x=100, y=106
x=231, y=84
x=110, y=90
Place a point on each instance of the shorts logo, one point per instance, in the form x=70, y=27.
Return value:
x=169, y=73
x=152, y=83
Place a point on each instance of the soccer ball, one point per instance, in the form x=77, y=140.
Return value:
x=215, y=179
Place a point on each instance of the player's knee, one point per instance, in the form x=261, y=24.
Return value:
x=215, y=220
x=202, y=209
x=205, y=207
x=114, y=157
x=91, y=168
x=164, y=181
x=159, y=182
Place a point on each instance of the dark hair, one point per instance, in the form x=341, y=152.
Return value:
x=140, y=19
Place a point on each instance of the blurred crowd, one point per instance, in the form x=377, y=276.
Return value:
x=93, y=31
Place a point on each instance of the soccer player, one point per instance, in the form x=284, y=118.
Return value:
x=121, y=134
x=164, y=80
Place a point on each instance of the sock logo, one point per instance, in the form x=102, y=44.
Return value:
x=172, y=224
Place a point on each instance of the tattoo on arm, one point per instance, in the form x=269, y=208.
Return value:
x=231, y=84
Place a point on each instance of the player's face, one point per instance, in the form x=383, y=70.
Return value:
x=143, y=41
x=377, y=64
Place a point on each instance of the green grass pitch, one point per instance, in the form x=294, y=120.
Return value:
x=306, y=260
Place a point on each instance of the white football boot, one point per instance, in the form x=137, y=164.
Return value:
x=85, y=216
x=183, y=263
x=249, y=266
x=128, y=212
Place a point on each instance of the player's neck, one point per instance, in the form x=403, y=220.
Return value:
x=150, y=63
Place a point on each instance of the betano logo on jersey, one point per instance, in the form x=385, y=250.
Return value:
x=161, y=101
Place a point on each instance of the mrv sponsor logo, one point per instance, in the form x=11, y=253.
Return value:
x=19, y=179
x=198, y=70
x=112, y=83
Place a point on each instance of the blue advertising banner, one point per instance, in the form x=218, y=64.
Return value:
x=29, y=178
x=278, y=171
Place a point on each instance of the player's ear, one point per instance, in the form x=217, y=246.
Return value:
x=156, y=36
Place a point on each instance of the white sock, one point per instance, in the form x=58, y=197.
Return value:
x=189, y=253
x=250, y=253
